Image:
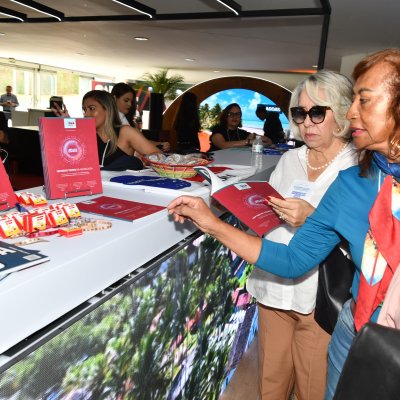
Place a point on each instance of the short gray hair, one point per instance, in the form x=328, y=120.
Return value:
x=338, y=94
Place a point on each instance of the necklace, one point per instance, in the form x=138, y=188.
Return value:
x=326, y=164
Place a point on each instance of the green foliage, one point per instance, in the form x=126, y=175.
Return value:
x=209, y=117
x=165, y=332
x=162, y=83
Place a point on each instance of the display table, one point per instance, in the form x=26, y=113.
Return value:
x=37, y=302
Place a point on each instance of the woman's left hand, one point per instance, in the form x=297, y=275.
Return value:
x=292, y=210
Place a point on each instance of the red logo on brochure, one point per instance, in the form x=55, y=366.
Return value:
x=72, y=150
x=255, y=200
x=111, y=206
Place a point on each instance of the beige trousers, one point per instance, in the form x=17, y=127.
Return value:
x=293, y=354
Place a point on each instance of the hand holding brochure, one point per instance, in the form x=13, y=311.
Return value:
x=248, y=201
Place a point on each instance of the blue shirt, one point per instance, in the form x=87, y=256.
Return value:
x=343, y=210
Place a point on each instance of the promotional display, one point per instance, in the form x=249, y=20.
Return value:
x=248, y=201
x=14, y=258
x=118, y=208
x=69, y=155
x=8, y=199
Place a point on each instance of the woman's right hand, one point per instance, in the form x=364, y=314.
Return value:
x=195, y=210
x=60, y=112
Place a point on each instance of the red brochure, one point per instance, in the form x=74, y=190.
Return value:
x=248, y=201
x=118, y=208
x=69, y=155
x=8, y=199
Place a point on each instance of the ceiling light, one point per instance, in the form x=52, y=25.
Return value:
x=33, y=5
x=141, y=38
x=2, y=34
x=12, y=14
x=314, y=66
x=232, y=5
x=139, y=7
x=189, y=59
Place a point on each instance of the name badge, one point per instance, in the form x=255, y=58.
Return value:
x=301, y=190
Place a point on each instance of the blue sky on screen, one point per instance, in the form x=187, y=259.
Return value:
x=248, y=100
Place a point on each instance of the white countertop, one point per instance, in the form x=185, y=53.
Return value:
x=83, y=266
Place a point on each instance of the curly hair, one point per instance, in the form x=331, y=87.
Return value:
x=390, y=57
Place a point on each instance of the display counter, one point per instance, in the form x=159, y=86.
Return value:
x=38, y=303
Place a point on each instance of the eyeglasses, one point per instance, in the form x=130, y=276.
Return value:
x=234, y=114
x=316, y=114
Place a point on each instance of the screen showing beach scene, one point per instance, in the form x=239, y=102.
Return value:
x=248, y=100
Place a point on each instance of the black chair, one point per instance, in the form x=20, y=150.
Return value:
x=4, y=140
x=372, y=368
x=3, y=122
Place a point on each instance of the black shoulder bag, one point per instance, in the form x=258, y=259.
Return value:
x=335, y=277
x=372, y=368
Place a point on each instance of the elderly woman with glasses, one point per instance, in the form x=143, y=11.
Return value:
x=293, y=348
x=362, y=205
x=227, y=133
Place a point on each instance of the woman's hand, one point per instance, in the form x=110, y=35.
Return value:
x=165, y=147
x=266, y=140
x=291, y=210
x=195, y=210
x=60, y=112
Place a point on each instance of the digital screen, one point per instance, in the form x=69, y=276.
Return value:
x=177, y=332
x=248, y=100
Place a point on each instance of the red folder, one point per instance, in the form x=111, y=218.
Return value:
x=8, y=199
x=69, y=155
x=118, y=208
x=248, y=201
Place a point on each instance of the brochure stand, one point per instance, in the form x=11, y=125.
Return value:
x=69, y=155
x=75, y=193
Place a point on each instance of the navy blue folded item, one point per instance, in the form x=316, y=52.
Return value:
x=272, y=151
x=155, y=181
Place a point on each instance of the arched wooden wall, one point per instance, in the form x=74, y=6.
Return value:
x=278, y=94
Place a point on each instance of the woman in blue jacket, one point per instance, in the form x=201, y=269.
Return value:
x=362, y=205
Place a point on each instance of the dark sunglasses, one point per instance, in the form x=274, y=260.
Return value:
x=316, y=114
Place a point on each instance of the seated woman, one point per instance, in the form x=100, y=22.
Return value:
x=125, y=97
x=227, y=133
x=116, y=143
x=187, y=125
